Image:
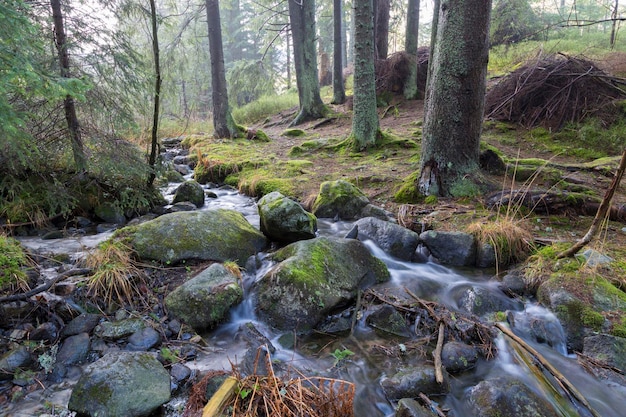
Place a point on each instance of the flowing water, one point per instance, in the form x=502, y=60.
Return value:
x=367, y=366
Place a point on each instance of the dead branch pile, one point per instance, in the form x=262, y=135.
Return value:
x=428, y=316
x=553, y=91
x=392, y=73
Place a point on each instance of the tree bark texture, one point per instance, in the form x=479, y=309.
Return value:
x=614, y=24
x=365, y=125
x=157, y=93
x=381, y=28
x=410, y=47
x=73, y=126
x=223, y=122
x=302, y=19
x=456, y=92
x=339, y=93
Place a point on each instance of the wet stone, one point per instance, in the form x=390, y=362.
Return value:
x=387, y=320
x=13, y=360
x=408, y=407
x=84, y=323
x=458, y=357
x=45, y=331
x=144, y=339
x=74, y=349
x=119, y=329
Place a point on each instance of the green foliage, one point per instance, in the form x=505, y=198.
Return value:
x=341, y=355
x=264, y=107
x=248, y=81
x=12, y=260
x=512, y=21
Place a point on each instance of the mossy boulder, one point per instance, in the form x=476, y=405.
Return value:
x=314, y=278
x=204, y=301
x=451, y=248
x=190, y=191
x=343, y=200
x=121, y=384
x=411, y=381
x=507, y=396
x=110, y=213
x=284, y=220
x=217, y=235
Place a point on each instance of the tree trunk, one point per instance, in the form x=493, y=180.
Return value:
x=339, y=93
x=288, y=60
x=381, y=28
x=223, y=122
x=73, y=125
x=157, y=93
x=614, y=24
x=302, y=19
x=410, y=47
x=456, y=92
x=365, y=126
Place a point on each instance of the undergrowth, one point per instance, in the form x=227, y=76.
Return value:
x=12, y=260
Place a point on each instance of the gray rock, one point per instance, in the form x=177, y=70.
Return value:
x=387, y=320
x=217, y=235
x=204, y=301
x=284, y=220
x=409, y=382
x=182, y=169
x=594, y=258
x=451, y=248
x=458, y=357
x=182, y=206
x=483, y=300
x=115, y=330
x=13, y=360
x=74, y=350
x=313, y=278
x=84, y=323
x=408, y=407
x=144, y=339
x=507, y=396
x=606, y=348
x=394, y=239
x=45, y=331
x=190, y=191
x=121, y=384
x=485, y=256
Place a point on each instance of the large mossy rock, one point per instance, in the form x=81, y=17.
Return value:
x=284, y=220
x=392, y=238
x=204, y=301
x=190, y=191
x=343, y=200
x=314, y=278
x=121, y=384
x=411, y=381
x=507, y=396
x=216, y=235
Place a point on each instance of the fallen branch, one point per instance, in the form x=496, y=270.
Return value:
x=547, y=365
x=46, y=286
x=437, y=354
x=432, y=405
x=600, y=214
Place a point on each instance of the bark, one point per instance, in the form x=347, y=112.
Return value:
x=410, y=47
x=339, y=93
x=614, y=24
x=302, y=19
x=223, y=122
x=456, y=93
x=157, y=93
x=381, y=28
x=73, y=126
x=365, y=125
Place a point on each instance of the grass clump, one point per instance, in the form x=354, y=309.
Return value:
x=12, y=261
x=115, y=274
x=510, y=239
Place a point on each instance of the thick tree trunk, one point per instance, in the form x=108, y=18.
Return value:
x=381, y=28
x=157, y=93
x=410, y=47
x=339, y=93
x=365, y=126
x=302, y=19
x=73, y=125
x=456, y=92
x=223, y=122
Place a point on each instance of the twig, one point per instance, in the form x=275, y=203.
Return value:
x=431, y=405
x=559, y=376
x=437, y=354
x=423, y=304
x=46, y=286
x=600, y=214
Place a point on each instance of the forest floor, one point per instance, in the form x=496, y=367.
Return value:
x=380, y=173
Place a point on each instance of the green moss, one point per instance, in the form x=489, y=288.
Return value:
x=619, y=329
x=408, y=192
x=464, y=187
x=12, y=260
x=294, y=132
x=591, y=318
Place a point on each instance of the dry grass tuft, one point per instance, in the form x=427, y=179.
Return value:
x=115, y=274
x=511, y=240
x=234, y=269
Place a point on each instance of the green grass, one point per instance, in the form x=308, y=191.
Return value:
x=264, y=107
x=12, y=260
